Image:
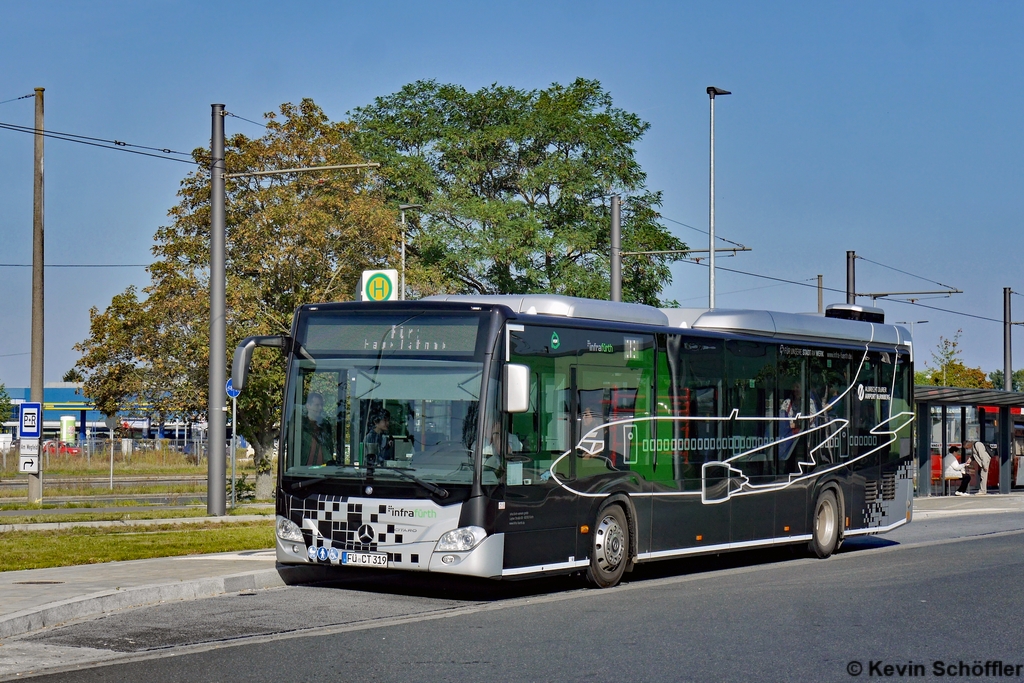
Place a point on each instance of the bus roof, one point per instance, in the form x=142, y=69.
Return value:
x=755, y=322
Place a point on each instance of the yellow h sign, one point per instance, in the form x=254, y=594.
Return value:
x=378, y=285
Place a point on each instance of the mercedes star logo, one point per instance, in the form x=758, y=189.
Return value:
x=365, y=534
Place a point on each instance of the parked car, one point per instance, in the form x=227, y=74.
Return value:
x=58, y=448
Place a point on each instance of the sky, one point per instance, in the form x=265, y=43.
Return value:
x=890, y=129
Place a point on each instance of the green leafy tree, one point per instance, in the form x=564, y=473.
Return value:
x=292, y=239
x=515, y=186
x=949, y=370
x=6, y=407
x=1016, y=379
x=73, y=375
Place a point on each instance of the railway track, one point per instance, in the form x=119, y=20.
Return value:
x=19, y=483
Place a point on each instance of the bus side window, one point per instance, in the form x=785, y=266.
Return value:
x=751, y=391
x=703, y=370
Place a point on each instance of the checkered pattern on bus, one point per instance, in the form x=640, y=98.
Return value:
x=340, y=523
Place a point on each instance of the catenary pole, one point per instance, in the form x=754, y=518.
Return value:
x=616, y=250
x=215, y=466
x=851, y=278
x=1007, y=360
x=35, y=481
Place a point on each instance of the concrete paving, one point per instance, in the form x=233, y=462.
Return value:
x=41, y=598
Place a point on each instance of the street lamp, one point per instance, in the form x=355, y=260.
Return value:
x=402, y=208
x=712, y=91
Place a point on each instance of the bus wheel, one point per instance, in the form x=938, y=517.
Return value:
x=825, y=531
x=609, y=553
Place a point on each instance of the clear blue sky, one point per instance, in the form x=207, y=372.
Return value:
x=893, y=129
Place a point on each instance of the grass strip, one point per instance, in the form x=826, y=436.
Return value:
x=65, y=548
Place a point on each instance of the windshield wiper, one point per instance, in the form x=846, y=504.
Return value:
x=401, y=471
x=295, y=486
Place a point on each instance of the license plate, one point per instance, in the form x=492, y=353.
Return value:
x=364, y=559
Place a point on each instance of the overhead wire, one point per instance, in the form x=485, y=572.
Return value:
x=702, y=231
x=116, y=145
x=934, y=282
x=843, y=291
x=78, y=265
x=236, y=116
x=15, y=99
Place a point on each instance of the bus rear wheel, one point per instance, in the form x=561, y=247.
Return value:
x=609, y=553
x=825, y=525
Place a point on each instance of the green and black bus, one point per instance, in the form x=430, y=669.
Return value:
x=518, y=436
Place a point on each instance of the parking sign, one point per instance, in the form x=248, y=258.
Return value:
x=31, y=422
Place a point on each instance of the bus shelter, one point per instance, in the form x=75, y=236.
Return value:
x=954, y=415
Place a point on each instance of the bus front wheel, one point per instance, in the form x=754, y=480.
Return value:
x=609, y=553
x=825, y=531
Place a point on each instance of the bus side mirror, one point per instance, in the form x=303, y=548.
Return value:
x=243, y=355
x=517, y=388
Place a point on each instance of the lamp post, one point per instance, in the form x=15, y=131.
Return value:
x=403, y=208
x=712, y=92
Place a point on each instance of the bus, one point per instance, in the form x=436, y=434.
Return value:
x=520, y=436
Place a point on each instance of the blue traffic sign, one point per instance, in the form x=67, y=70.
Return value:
x=232, y=392
x=30, y=423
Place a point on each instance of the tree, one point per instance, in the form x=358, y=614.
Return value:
x=515, y=186
x=291, y=240
x=949, y=370
x=72, y=375
x=6, y=407
x=1016, y=379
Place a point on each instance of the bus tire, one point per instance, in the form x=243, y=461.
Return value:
x=825, y=525
x=609, y=551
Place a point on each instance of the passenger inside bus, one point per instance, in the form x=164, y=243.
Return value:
x=378, y=441
x=317, y=438
x=788, y=411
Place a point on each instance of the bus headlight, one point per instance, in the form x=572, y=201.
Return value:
x=287, y=530
x=461, y=540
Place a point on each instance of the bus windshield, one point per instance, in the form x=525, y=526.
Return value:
x=395, y=398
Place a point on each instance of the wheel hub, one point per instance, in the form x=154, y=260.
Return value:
x=610, y=545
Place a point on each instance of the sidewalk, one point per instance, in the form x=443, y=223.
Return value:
x=940, y=506
x=38, y=598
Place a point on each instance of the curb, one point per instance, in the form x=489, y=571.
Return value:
x=52, y=526
x=58, y=613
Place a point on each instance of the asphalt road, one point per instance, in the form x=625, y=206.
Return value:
x=944, y=589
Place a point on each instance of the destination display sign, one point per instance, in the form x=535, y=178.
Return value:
x=405, y=335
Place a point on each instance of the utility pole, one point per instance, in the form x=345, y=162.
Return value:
x=821, y=297
x=215, y=466
x=851, y=278
x=35, y=481
x=403, y=208
x=1007, y=364
x=216, y=476
x=616, y=251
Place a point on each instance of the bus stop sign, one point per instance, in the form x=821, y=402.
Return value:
x=378, y=285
